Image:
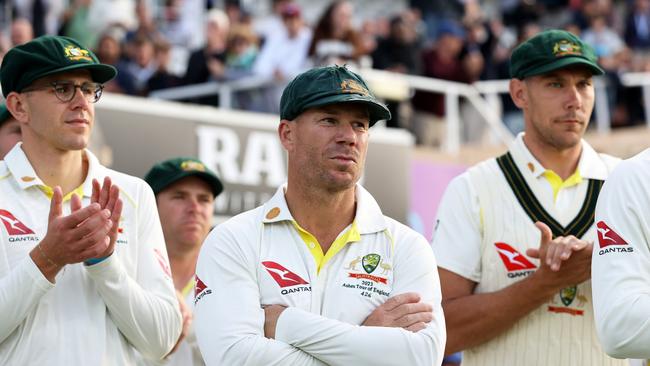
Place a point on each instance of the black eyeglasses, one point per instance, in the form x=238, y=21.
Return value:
x=65, y=90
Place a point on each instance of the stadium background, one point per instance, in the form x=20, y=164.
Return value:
x=228, y=117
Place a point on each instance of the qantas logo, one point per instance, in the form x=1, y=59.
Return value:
x=283, y=276
x=13, y=225
x=607, y=236
x=609, y=241
x=200, y=289
x=516, y=264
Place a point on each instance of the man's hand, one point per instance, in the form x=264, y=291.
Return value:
x=564, y=261
x=186, y=313
x=401, y=311
x=271, y=315
x=74, y=238
x=108, y=198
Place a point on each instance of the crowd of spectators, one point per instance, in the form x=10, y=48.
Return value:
x=161, y=44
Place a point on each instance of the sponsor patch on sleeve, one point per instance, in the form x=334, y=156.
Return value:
x=609, y=241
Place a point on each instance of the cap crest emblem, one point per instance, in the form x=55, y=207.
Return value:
x=189, y=165
x=76, y=54
x=353, y=87
x=566, y=48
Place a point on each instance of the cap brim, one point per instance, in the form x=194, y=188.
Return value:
x=566, y=62
x=377, y=111
x=215, y=184
x=99, y=73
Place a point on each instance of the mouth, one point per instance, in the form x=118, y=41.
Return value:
x=345, y=159
x=78, y=122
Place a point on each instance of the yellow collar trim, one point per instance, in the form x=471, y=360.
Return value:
x=349, y=236
x=557, y=183
x=49, y=192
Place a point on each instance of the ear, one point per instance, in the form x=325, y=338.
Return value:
x=17, y=107
x=286, y=133
x=518, y=93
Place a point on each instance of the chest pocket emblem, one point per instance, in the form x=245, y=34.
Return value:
x=370, y=262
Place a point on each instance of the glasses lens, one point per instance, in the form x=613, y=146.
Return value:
x=64, y=90
x=92, y=91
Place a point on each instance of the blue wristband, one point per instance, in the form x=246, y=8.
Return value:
x=92, y=261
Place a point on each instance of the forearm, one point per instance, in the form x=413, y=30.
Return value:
x=150, y=321
x=338, y=343
x=20, y=291
x=477, y=318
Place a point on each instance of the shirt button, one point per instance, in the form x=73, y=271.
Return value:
x=312, y=245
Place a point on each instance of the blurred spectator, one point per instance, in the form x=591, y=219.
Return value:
x=637, y=31
x=283, y=56
x=109, y=51
x=43, y=15
x=335, y=40
x=481, y=37
x=435, y=11
x=75, y=23
x=179, y=23
x=271, y=25
x=162, y=78
x=110, y=13
x=446, y=61
x=513, y=118
x=240, y=57
x=605, y=41
x=208, y=63
x=400, y=52
x=142, y=65
x=21, y=31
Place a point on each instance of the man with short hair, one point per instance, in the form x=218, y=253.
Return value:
x=84, y=274
x=9, y=131
x=318, y=275
x=513, y=235
x=185, y=191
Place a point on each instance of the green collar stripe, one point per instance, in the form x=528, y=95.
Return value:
x=533, y=208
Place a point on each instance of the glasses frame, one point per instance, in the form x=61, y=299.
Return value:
x=94, y=98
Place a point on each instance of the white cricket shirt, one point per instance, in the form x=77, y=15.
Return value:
x=620, y=267
x=93, y=315
x=263, y=257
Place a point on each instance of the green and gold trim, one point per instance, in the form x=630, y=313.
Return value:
x=534, y=209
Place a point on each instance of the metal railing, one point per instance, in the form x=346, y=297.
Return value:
x=484, y=96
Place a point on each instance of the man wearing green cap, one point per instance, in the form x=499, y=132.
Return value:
x=9, y=131
x=318, y=275
x=514, y=234
x=84, y=274
x=185, y=191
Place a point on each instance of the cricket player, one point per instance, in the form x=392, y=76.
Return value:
x=9, y=131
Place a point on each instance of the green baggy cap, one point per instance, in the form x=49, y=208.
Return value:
x=48, y=55
x=551, y=50
x=165, y=173
x=329, y=85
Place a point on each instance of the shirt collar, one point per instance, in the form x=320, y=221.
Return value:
x=590, y=165
x=369, y=218
x=23, y=172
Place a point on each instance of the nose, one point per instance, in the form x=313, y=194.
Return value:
x=79, y=100
x=346, y=134
x=573, y=98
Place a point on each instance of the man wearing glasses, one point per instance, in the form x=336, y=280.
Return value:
x=84, y=274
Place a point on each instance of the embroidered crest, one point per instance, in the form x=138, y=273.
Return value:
x=370, y=262
x=190, y=165
x=353, y=87
x=566, y=48
x=75, y=53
